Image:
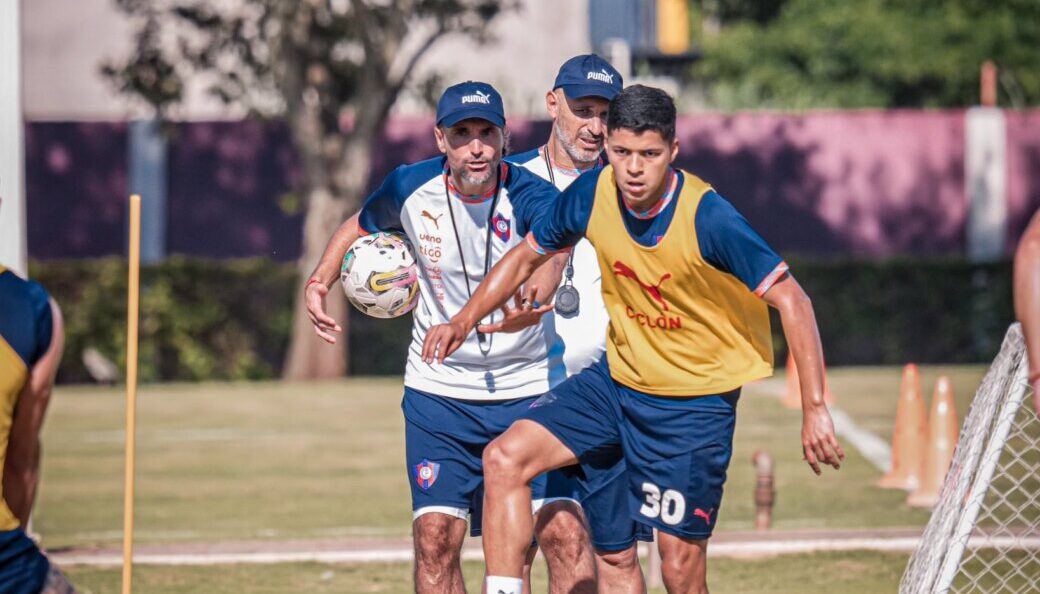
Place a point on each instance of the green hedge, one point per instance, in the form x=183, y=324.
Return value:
x=199, y=319
x=899, y=311
x=230, y=319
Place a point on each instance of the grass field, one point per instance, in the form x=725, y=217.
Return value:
x=272, y=461
x=848, y=573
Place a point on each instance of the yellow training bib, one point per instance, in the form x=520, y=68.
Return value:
x=678, y=325
x=13, y=375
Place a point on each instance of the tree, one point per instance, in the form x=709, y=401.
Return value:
x=331, y=68
x=872, y=53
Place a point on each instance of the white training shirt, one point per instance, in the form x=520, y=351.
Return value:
x=414, y=200
x=582, y=338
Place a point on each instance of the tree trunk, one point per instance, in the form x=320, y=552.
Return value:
x=310, y=357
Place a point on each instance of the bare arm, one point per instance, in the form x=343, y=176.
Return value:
x=546, y=279
x=534, y=298
x=501, y=283
x=325, y=274
x=1027, y=299
x=22, y=467
x=803, y=339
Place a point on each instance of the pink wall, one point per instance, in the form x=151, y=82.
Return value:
x=865, y=183
x=862, y=184
x=859, y=183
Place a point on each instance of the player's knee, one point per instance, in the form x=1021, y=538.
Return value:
x=435, y=551
x=501, y=465
x=561, y=533
x=624, y=561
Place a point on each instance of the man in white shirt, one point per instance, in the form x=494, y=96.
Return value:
x=462, y=211
x=577, y=105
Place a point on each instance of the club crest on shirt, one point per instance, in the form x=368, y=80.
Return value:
x=502, y=227
x=426, y=473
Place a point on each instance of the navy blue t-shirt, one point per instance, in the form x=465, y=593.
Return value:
x=724, y=236
x=25, y=317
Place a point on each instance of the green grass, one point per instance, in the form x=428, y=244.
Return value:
x=272, y=461
x=855, y=572
x=226, y=461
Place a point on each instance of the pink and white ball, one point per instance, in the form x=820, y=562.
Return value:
x=379, y=275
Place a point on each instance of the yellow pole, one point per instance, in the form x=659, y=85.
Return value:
x=673, y=26
x=133, y=290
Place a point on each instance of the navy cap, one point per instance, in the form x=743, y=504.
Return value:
x=588, y=76
x=470, y=100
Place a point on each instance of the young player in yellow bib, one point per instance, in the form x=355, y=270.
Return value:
x=686, y=282
x=31, y=342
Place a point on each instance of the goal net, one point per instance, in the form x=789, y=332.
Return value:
x=984, y=533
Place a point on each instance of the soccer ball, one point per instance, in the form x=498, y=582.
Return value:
x=379, y=275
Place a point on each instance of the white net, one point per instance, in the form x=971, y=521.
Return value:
x=984, y=534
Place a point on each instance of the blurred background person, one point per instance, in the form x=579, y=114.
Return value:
x=577, y=107
x=31, y=342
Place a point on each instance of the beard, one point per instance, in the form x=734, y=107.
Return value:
x=579, y=156
x=474, y=178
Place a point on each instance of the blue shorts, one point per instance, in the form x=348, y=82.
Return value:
x=444, y=443
x=23, y=568
x=604, y=491
x=677, y=449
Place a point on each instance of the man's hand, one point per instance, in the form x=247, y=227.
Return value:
x=524, y=314
x=818, y=441
x=443, y=340
x=314, y=296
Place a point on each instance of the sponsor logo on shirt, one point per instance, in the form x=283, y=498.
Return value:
x=426, y=215
x=601, y=76
x=477, y=97
x=430, y=247
x=658, y=321
x=654, y=291
x=547, y=398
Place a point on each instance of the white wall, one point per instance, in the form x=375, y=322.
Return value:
x=65, y=42
x=12, y=170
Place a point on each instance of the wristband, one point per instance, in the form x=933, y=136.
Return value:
x=311, y=282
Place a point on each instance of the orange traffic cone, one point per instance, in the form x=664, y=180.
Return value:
x=793, y=394
x=910, y=435
x=943, y=431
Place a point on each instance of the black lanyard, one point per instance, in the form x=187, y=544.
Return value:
x=568, y=300
x=568, y=272
x=482, y=339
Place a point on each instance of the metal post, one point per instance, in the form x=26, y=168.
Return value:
x=13, y=250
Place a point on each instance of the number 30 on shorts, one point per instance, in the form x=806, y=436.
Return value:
x=669, y=506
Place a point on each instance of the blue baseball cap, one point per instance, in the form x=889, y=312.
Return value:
x=588, y=76
x=470, y=100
